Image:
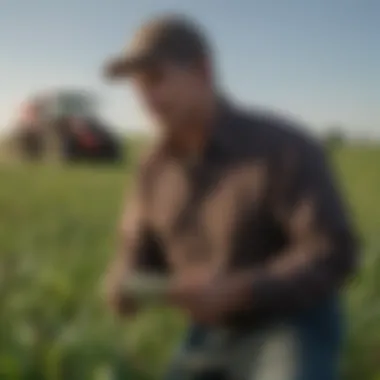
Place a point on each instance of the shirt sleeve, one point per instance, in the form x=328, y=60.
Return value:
x=138, y=247
x=321, y=247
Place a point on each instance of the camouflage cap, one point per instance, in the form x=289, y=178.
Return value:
x=169, y=38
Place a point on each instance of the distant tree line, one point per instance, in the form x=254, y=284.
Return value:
x=335, y=137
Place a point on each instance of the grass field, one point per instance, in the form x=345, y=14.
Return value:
x=57, y=232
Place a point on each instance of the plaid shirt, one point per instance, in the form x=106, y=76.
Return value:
x=261, y=197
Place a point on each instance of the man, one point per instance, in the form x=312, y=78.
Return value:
x=239, y=208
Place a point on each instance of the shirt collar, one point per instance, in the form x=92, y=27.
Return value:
x=219, y=141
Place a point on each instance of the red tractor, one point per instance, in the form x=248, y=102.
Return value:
x=65, y=124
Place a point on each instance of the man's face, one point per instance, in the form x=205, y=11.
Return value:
x=171, y=93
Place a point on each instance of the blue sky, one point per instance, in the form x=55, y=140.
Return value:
x=318, y=59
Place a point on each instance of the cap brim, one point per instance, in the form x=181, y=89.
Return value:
x=123, y=67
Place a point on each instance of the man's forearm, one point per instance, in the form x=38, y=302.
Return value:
x=299, y=278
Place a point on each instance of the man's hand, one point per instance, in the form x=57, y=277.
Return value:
x=122, y=304
x=116, y=297
x=209, y=300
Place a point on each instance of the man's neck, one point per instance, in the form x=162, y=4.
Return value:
x=191, y=139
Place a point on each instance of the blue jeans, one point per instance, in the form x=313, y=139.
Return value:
x=316, y=340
